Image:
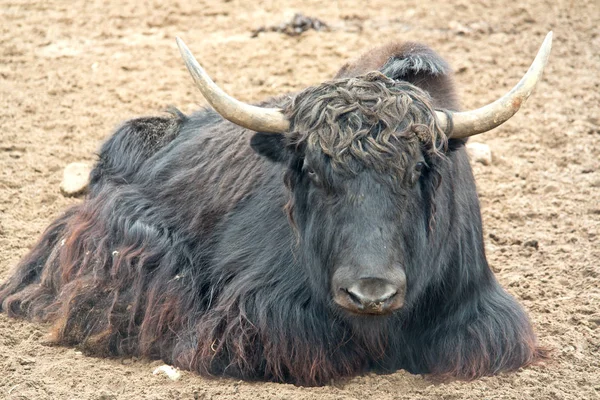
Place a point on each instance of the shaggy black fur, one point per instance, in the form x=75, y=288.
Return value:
x=216, y=256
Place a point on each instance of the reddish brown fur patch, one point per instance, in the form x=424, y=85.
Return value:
x=375, y=58
x=430, y=72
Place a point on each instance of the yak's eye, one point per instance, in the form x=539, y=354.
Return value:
x=418, y=171
x=307, y=169
x=312, y=175
x=420, y=166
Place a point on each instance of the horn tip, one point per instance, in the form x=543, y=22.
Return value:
x=181, y=44
x=548, y=39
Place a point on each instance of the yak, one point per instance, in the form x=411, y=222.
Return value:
x=312, y=237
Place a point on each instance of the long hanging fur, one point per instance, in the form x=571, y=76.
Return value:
x=183, y=251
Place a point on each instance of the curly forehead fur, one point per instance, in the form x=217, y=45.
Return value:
x=370, y=121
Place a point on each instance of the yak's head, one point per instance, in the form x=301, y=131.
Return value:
x=362, y=156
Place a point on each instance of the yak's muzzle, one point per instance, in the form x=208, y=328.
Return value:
x=375, y=296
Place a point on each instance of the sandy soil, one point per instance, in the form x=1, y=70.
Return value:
x=71, y=71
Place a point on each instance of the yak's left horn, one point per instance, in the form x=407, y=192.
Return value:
x=483, y=119
x=252, y=117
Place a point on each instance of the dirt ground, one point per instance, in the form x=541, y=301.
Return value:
x=71, y=71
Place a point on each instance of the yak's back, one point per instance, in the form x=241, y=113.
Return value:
x=412, y=62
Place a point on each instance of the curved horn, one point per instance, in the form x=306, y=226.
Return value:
x=252, y=117
x=483, y=119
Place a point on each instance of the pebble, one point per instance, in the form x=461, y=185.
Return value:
x=479, y=152
x=551, y=188
x=170, y=372
x=75, y=179
x=26, y=360
x=532, y=243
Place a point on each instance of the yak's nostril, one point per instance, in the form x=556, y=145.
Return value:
x=354, y=297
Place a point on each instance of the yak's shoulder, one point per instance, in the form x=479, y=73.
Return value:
x=413, y=62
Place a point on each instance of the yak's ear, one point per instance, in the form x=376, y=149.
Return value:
x=270, y=145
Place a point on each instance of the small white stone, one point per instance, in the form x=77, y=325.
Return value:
x=75, y=179
x=479, y=152
x=170, y=372
x=551, y=188
x=26, y=360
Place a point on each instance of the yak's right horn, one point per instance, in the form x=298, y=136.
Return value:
x=252, y=117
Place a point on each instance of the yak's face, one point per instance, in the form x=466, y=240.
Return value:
x=359, y=229
x=360, y=175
